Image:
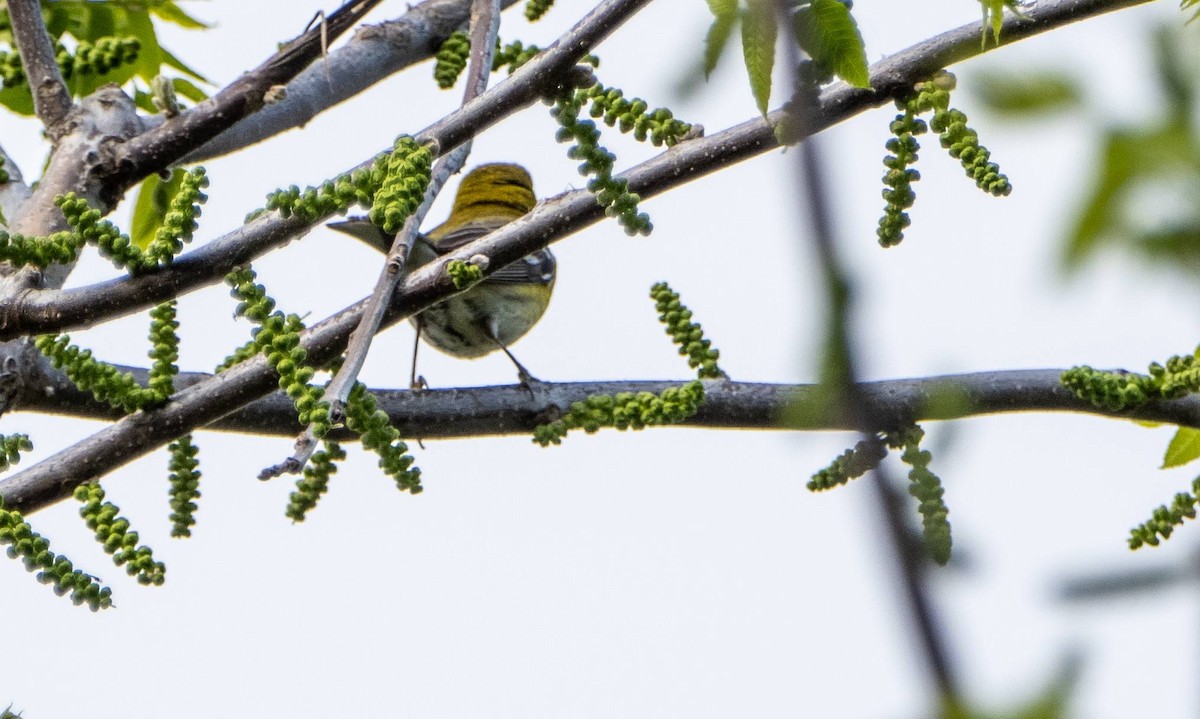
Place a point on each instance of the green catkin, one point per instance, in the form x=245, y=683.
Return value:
x=11, y=447
x=278, y=338
x=624, y=411
x=185, y=485
x=611, y=193
x=926, y=487
x=513, y=55
x=106, y=383
x=688, y=335
x=180, y=221
x=34, y=551
x=239, y=355
x=164, y=350
x=898, y=193
x=89, y=59
x=357, y=187
x=851, y=464
x=463, y=274
x=108, y=239
x=955, y=136
x=113, y=533
x=535, y=9
x=404, y=184
x=1164, y=520
x=315, y=481
x=1120, y=391
x=451, y=59
x=364, y=418
x=61, y=248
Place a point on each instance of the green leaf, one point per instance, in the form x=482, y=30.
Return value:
x=758, y=45
x=718, y=37
x=170, y=60
x=186, y=88
x=1129, y=159
x=172, y=13
x=725, y=8
x=829, y=34
x=150, y=207
x=1026, y=92
x=1184, y=447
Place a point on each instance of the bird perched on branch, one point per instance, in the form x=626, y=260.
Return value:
x=500, y=309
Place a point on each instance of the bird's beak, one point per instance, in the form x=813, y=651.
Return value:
x=361, y=229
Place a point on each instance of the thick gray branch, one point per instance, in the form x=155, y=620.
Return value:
x=373, y=54
x=512, y=410
x=163, y=146
x=51, y=99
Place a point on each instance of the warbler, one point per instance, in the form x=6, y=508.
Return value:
x=498, y=311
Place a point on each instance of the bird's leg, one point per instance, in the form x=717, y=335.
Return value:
x=523, y=375
x=414, y=382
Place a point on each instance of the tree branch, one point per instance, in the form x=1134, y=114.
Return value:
x=51, y=99
x=373, y=54
x=511, y=410
x=164, y=145
x=54, y=310
x=207, y=402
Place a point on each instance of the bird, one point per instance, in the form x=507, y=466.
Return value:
x=503, y=307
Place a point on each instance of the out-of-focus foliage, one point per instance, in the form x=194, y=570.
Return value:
x=70, y=22
x=1025, y=93
x=1052, y=703
x=1146, y=176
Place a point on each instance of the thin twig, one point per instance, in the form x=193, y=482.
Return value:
x=51, y=99
x=485, y=26
x=164, y=145
x=375, y=53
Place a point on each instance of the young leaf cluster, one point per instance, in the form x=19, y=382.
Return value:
x=463, y=274
x=34, y=551
x=113, y=533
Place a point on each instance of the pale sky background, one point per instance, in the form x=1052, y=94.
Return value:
x=669, y=573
